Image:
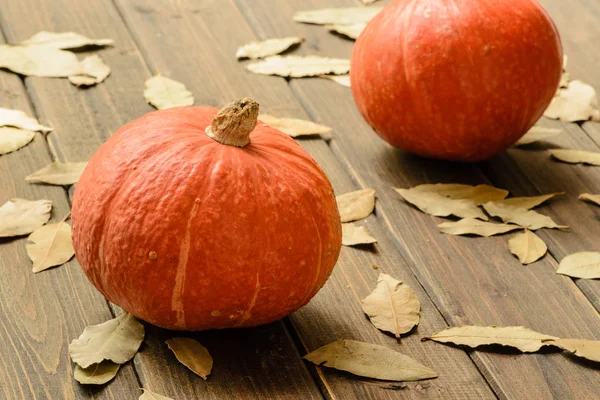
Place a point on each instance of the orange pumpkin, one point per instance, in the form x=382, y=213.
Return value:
x=192, y=219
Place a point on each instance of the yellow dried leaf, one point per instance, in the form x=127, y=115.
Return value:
x=341, y=16
x=298, y=67
x=592, y=198
x=163, y=92
x=352, y=31
x=64, y=40
x=94, y=71
x=50, y=245
x=39, y=61
x=392, y=306
x=576, y=102
x=19, y=119
x=588, y=349
x=269, y=47
x=585, y=265
x=369, y=360
x=149, y=395
x=192, y=354
x=536, y=134
x=528, y=202
x=58, y=173
x=353, y=235
x=528, y=247
x=471, y=226
x=356, y=205
x=441, y=206
x=521, y=216
x=295, y=127
x=479, y=194
x=343, y=80
x=20, y=216
x=12, y=139
x=96, y=374
x=576, y=156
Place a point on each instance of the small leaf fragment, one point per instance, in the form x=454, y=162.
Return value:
x=441, y=206
x=565, y=77
x=529, y=202
x=584, y=265
x=576, y=102
x=39, y=61
x=96, y=374
x=50, y=245
x=116, y=340
x=192, y=354
x=163, y=92
x=343, y=80
x=94, y=71
x=369, y=360
x=471, y=226
x=341, y=16
x=19, y=119
x=269, y=47
x=356, y=205
x=576, y=156
x=479, y=194
x=149, y=395
x=518, y=337
x=353, y=235
x=392, y=306
x=12, y=139
x=588, y=349
x=58, y=173
x=351, y=31
x=592, y=198
x=298, y=67
x=64, y=41
x=20, y=217
x=521, y=216
x=528, y=247
x=537, y=134
x=295, y=127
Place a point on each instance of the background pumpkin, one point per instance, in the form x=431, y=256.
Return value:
x=189, y=233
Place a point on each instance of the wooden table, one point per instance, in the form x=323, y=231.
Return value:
x=459, y=280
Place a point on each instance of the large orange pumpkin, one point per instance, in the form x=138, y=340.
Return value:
x=456, y=80
x=192, y=219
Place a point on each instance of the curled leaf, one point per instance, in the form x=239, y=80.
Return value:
x=585, y=265
x=521, y=216
x=269, y=47
x=341, y=16
x=39, y=61
x=50, y=245
x=576, y=102
x=576, y=156
x=356, y=205
x=12, y=139
x=96, y=374
x=470, y=226
x=163, y=92
x=592, y=198
x=528, y=247
x=19, y=119
x=537, y=134
x=64, y=41
x=351, y=31
x=353, y=235
x=298, y=67
x=20, y=216
x=370, y=360
x=441, y=206
x=58, y=173
x=192, y=354
x=295, y=127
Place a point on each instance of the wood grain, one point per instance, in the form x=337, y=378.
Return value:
x=473, y=281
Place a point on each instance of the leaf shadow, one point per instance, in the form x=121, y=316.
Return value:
x=582, y=361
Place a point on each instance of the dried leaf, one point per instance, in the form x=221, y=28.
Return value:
x=94, y=71
x=566, y=77
x=12, y=139
x=295, y=127
x=39, y=61
x=528, y=247
x=116, y=340
x=298, y=67
x=353, y=235
x=340, y=16
x=470, y=226
x=592, y=198
x=435, y=204
x=576, y=156
x=588, y=349
x=356, y=205
x=352, y=31
x=576, y=102
x=96, y=374
x=585, y=265
x=50, y=245
x=163, y=92
x=528, y=202
x=343, y=80
x=521, y=216
x=64, y=40
x=479, y=194
x=57, y=173
x=269, y=47
x=392, y=306
x=369, y=360
x=518, y=337
x=19, y=119
x=20, y=217
x=148, y=395
x=536, y=134
x=192, y=354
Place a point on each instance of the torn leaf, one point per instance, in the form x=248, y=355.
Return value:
x=12, y=139
x=479, y=194
x=537, y=134
x=94, y=71
x=192, y=354
x=470, y=226
x=441, y=206
x=592, y=198
x=356, y=205
x=163, y=92
x=20, y=216
x=528, y=247
x=295, y=127
x=584, y=265
x=576, y=156
x=50, y=246
x=528, y=202
x=521, y=216
x=58, y=173
x=96, y=374
x=39, y=61
x=353, y=235
x=64, y=41
x=576, y=102
x=298, y=67
x=269, y=47
x=351, y=31
x=19, y=119
x=340, y=16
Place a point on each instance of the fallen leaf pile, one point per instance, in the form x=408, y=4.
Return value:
x=355, y=206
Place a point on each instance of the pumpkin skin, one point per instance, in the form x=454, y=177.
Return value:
x=190, y=234
x=458, y=80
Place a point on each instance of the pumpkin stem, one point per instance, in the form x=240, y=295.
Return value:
x=233, y=123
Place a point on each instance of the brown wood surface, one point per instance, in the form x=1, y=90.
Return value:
x=458, y=280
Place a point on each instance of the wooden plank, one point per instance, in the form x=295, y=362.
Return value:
x=215, y=29
x=472, y=281
x=41, y=313
x=83, y=120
